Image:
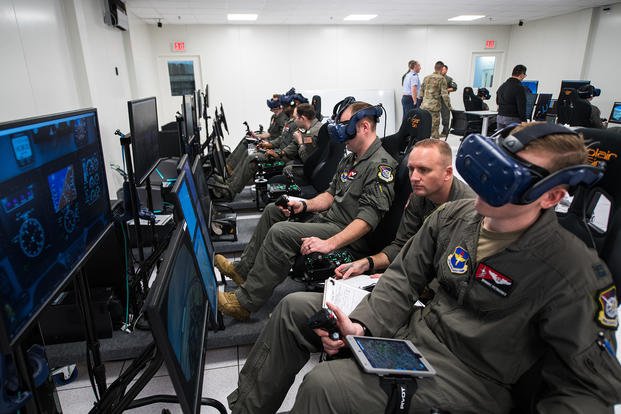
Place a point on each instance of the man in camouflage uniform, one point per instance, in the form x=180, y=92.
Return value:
x=446, y=111
x=434, y=94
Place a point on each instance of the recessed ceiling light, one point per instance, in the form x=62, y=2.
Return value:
x=466, y=17
x=360, y=17
x=242, y=17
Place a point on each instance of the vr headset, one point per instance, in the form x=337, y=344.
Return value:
x=499, y=176
x=483, y=93
x=273, y=103
x=588, y=91
x=344, y=131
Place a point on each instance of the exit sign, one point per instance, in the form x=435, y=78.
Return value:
x=490, y=44
x=179, y=46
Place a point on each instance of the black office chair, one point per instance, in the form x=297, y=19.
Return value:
x=415, y=127
x=459, y=123
x=603, y=234
x=573, y=110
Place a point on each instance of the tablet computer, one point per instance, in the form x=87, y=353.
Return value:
x=383, y=356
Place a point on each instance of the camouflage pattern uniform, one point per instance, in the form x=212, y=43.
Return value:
x=434, y=94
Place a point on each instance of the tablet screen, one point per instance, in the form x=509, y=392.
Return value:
x=388, y=354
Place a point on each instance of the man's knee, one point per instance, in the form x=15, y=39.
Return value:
x=282, y=232
x=299, y=306
x=319, y=384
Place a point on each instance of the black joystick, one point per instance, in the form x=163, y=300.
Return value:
x=325, y=319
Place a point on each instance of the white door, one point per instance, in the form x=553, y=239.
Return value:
x=485, y=72
x=177, y=75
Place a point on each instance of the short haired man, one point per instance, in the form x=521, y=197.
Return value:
x=445, y=111
x=435, y=93
x=511, y=99
x=411, y=87
x=430, y=164
x=359, y=195
x=514, y=288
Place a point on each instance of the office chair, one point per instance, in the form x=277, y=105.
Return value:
x=573, y=110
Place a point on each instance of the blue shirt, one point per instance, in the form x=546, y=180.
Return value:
x=411, y=79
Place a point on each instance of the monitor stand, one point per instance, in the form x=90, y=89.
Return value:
x=118, y=398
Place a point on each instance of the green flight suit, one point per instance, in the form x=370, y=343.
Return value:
x=296, y=154
x=434, y=93
x=488, y=323
x=362, y=189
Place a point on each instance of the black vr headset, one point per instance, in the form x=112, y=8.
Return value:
x=499, y=176
x=344, y=131
x=483, y=93
x=588, y=91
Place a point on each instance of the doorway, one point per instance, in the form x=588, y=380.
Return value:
x=486, y=69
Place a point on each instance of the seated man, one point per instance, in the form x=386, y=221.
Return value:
x=360, y=194
x=586, y=94
x=277, y=122
x=431, y=174
x=514, y=287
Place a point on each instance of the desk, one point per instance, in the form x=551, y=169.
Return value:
x=485, y=115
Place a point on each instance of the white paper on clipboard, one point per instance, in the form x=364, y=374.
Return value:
x=343, y=295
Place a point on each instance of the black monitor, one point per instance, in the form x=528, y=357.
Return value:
x=530, y=104
x=187, y=109
x=531, y=85
x=187, y=207
x=573, y=84
x=144, y=136
x=177, y=308
x=615, y=114
x=202, y=188
x=541, y=106
x=54, y=209
x=552, y=107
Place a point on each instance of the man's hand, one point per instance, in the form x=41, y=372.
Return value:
x=297, y=135
x=351, y=269
x=315, y=244
x=264, y=145
x=345, y=326
x=271, y=153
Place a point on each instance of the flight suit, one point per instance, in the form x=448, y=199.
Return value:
x=445, y=111
x=362, y=188
x=434, y=94
x=296, y=154
x=245, y=170
x=488, y=323
x=415, y=213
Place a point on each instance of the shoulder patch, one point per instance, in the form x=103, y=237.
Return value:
x=385, y=173
x=606, y=314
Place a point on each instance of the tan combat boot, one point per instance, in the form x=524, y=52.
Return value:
x=227, y=268
x=229, y=305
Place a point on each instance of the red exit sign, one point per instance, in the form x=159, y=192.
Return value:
x=490, y=44
x=179, y=46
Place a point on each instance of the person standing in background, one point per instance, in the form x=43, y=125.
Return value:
x=411, y=87
x=435, y=92
x=511, y=99
x=445, y=110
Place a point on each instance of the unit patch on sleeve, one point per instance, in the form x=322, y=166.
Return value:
x=385, y=173
x=494, y=280
x=606, y=314
x=458, y=261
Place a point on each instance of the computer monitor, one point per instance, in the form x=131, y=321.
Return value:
x=203, y=188
x=177, y=308
x=531, y=85
x=615, y=114
x=573, y=84
x=530, y=104
x=188, y=117
x=144, y=136
x=552, y=107
x=187, y=207
x=54, y=209
x=541, y=106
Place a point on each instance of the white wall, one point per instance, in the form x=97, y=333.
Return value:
x=244, y=65
x=604, y=60
x=552, y=49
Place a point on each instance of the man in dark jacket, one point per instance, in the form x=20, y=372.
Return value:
x=511, y=99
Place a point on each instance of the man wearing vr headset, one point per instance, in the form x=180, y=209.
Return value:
x=587, y=93
x=515, y=289
x=360, y=193
x=430, y=166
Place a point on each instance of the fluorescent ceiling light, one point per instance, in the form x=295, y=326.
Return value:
x=242, y=17
x=360, y=17
x=466, y=17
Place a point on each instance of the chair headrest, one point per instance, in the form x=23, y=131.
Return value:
x=605, y=146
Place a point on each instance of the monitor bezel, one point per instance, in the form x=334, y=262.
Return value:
x=6, y=343
x=153, y=304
